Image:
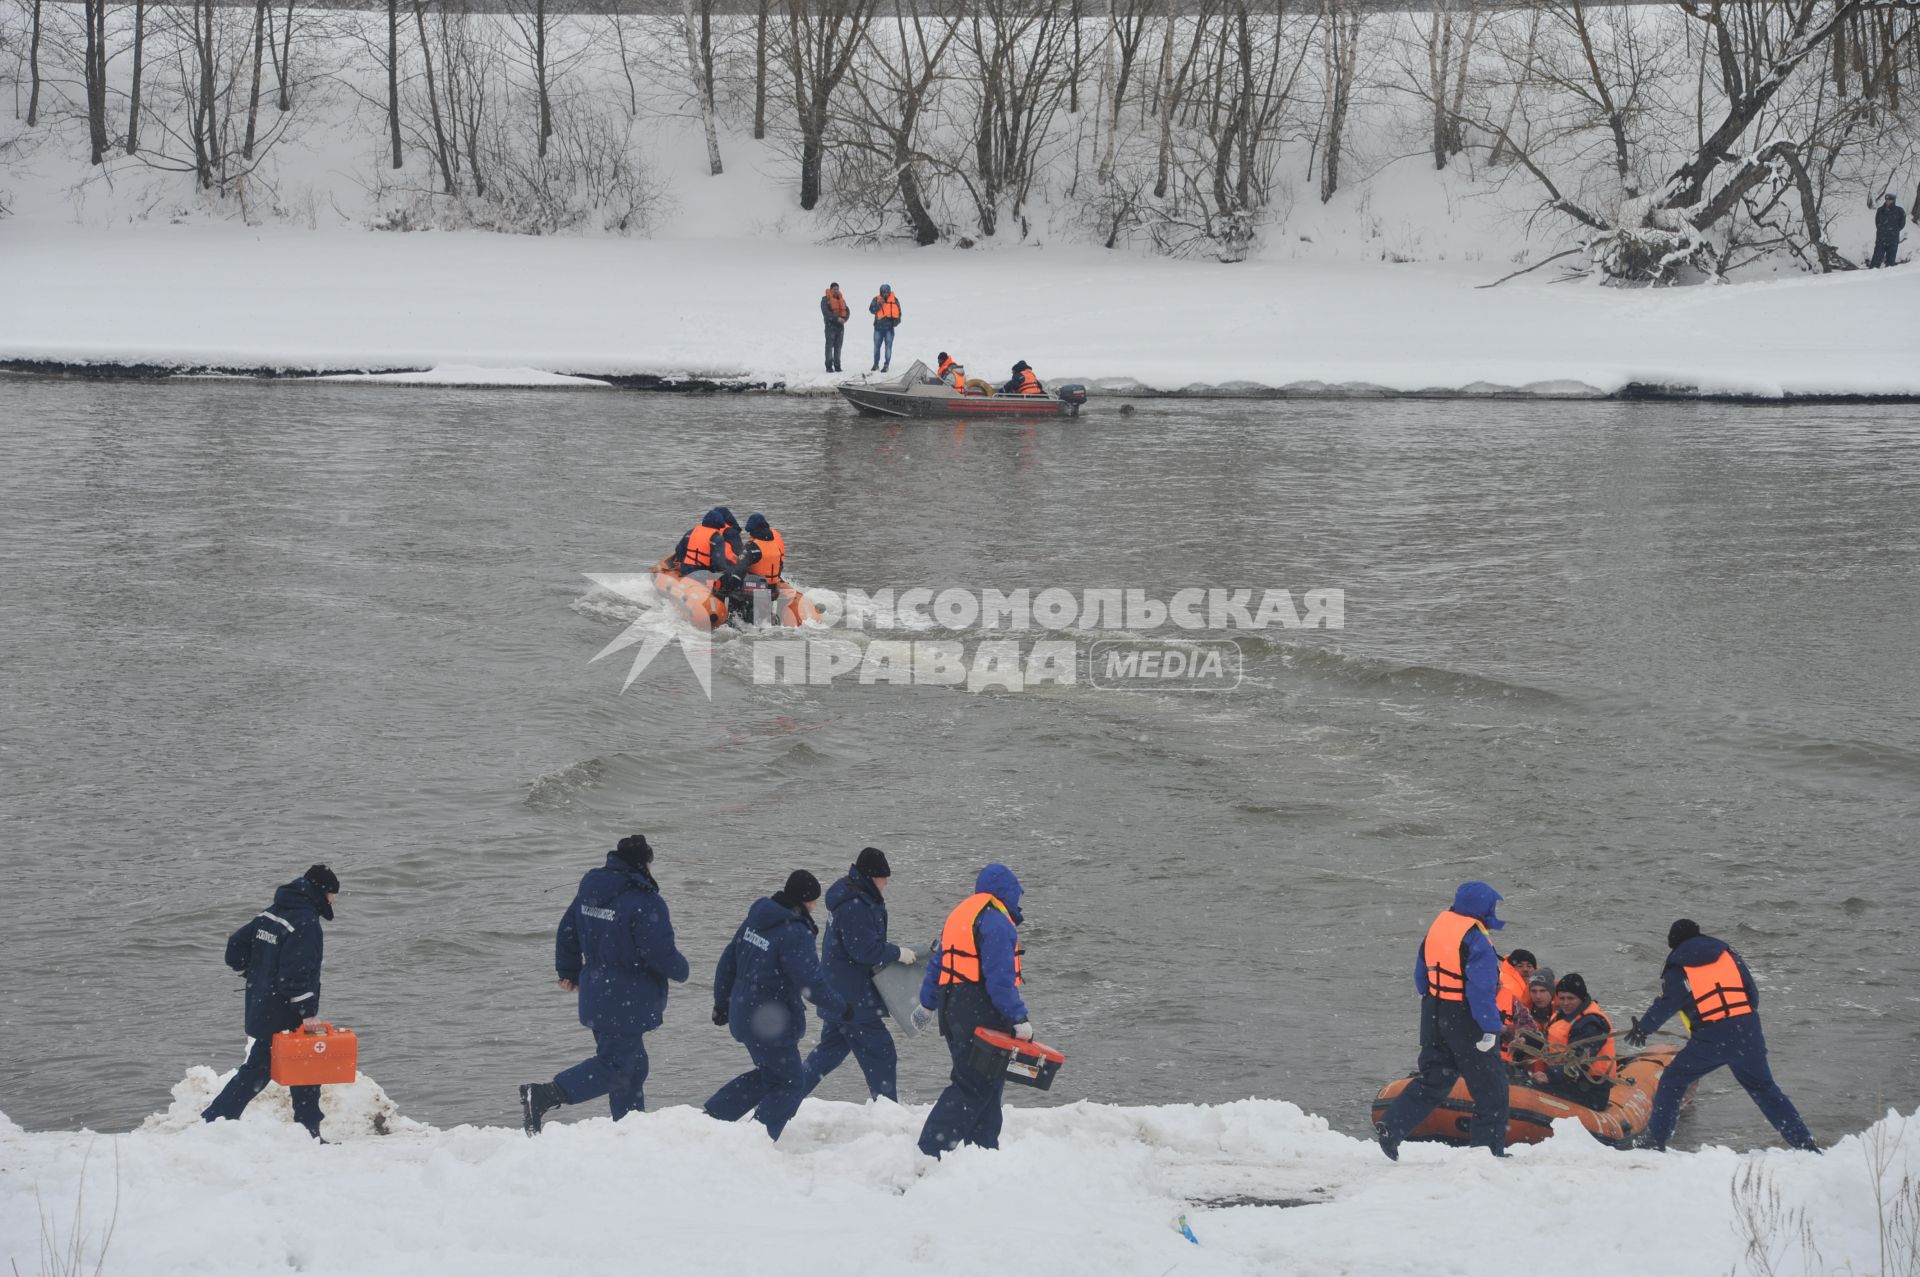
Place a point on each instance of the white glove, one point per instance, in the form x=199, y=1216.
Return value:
x=921, y=1018
x=906, y=956
x=1486, y=1042
x=1024, y=1031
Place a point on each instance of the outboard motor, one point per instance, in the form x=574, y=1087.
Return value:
x=1073, y=395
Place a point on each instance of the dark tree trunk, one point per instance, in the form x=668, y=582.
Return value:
x=253, y=95
x=759, y=71
x=393, y=78
x=33, y=65
x=139, y=62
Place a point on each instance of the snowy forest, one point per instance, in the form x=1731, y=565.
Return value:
x=1662, y=142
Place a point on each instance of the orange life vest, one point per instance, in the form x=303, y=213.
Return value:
x=1445, y=955
x=773, y=554
x=700, y=543
x=1718, y=991
x=889, y=307
x=1029, y=384
x=838, y=303
x=949, y=370
x=1560, y=1032
x=1510, y=997
x=960, y=941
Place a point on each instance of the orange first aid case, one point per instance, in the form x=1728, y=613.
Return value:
x=315, y=1054
x=1026, y=1063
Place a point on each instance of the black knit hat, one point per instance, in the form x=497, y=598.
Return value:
x=635, y=850
x=801, y=887
x=873, y=863
x=1522, y=955
x=1573, y=983
x=324, y=878
x=1683, y=930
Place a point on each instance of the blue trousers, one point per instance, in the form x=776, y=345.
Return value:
x=882, y=339
x=871, y=1046
x=617, y=1069
x=251, y=1078
x=772, y=1088
x=1448, y=1034
x=968, y=1111
x=1886, y=252
x=1742, y=1049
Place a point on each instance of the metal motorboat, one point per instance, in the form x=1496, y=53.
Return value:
x=918, y=393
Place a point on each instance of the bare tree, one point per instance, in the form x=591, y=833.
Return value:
x=1340, y=55
x=139, y=69
x=822, y=38
x=33, y=69
x=700, y=70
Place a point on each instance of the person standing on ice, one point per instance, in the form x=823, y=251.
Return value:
x=885, y=309
x=854, y=947
x=833, y=313
x=1457, y=974
x=973, y=980
x=279, y=952
x=1710, y=986
x=757, y=990
x=1889, y=220
x=615, y=946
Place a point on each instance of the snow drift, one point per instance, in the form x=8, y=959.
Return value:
x=1088, y=1188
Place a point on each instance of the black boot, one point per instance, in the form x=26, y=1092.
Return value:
x=537, y=1099
x=1388, y=1146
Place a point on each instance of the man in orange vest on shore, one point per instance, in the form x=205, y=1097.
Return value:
x=833, y=314
x=885, y=309
x=1457, y=973
x=1708, y=984
x=973, y=980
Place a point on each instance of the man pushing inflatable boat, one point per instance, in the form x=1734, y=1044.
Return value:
x=722, y=572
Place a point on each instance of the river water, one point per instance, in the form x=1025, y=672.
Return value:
x=1624, y=661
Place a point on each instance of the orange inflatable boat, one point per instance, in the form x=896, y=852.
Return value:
x=701, y=605
x=1531, y=1112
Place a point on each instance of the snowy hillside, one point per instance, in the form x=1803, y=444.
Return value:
x=1264, y=1187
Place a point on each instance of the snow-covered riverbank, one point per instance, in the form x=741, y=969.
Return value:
x=492, y=308
x=1083, y=1189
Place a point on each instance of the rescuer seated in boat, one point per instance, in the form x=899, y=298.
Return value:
x=763, y=558
x=1023, y=381
x=1580, y=1061
x=949, y=371
x=712, y=549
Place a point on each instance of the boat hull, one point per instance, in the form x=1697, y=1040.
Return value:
x=879, y=402
x=1531, y=1112
x=697, y=602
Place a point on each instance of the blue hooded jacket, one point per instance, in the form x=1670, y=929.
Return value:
x=766, y=971
x=1677, y=995
x=998, y=939
x=1474, y=900
x=855, y=944
x=280, y=951
x=616, y=942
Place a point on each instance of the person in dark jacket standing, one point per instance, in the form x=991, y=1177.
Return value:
x=1457, y=974
x=973, y=980
x=757, y=990
x=615, y=946
x=279, y=952
x=1889, y=220
x=854, y=947
x=1708, y=984
x=833, y=313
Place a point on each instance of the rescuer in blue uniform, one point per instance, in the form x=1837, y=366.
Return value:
x=973, y=979
x=615, y=945
x=1708, y=984
x=757, y=990
x=1457, y=973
